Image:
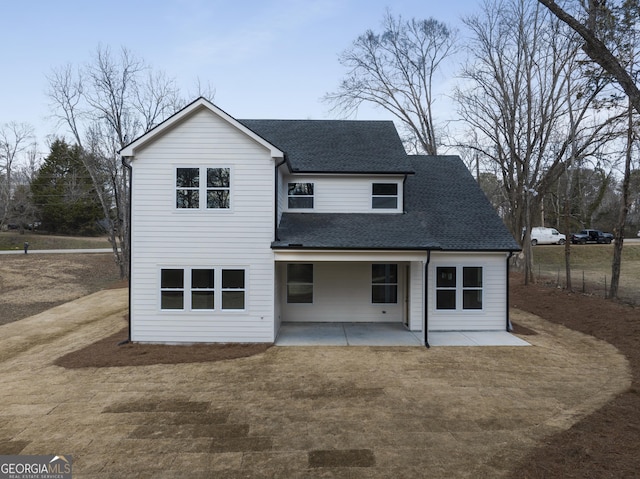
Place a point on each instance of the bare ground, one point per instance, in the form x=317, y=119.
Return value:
x=543, y=412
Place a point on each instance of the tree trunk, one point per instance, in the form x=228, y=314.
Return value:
x=624, y=210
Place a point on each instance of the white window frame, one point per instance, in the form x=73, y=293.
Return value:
x=187, y=289
x=386, y=284
x=375, y=196
x=216, y=188
x=202, y=189
x=227, y=290
x=459, y=288
x=290, y=196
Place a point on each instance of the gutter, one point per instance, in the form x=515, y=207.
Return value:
x=275, y=201
x=509, y=325
x=128, y=167
x=426, y=300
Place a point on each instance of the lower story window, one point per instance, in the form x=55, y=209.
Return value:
x=172, y=289
x=202, y=289
x=453, y=283
x=299, y=283
x=384, y=283
x=233, y=289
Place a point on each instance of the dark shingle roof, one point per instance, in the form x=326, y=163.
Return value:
x=445, y=209
x=335, y=146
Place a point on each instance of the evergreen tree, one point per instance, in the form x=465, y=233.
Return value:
x=64, y=193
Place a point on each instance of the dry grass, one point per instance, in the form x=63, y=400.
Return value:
x=12, y=240
x=593, y=263
x=30, y=284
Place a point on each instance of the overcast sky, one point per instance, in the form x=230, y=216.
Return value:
x=265, y=59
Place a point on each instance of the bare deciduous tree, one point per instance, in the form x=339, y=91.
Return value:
x=15, y=139
x=595, y=47
x=520, y=73
x=395, y=70
x=105, y=105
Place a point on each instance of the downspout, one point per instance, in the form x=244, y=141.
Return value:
x=509, y=326
x=404, y=191
x=128, y=167
x=275, y=198
x=426, y=300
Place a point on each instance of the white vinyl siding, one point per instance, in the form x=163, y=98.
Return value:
x=342, y=293
x=237, y=238
x=493, y=314
x=344, y=194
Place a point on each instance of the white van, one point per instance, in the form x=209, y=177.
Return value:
x=541, y=235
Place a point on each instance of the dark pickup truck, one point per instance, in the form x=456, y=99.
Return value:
x=591, y=236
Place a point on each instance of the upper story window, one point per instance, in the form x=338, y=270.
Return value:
x=218, y=188
x=188, y=188
x=384, y=196
x=300, y=195
x=191, y=190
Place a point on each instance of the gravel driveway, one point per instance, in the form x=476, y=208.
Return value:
x=354, y=412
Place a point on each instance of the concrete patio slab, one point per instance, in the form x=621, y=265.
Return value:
x=385, y=334
x=474, y=338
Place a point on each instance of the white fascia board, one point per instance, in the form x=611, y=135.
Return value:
x=293, y=255
x=130, y=150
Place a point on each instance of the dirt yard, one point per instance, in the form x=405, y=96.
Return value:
x=515, y=425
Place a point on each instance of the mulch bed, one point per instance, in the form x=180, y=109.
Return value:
x=605, y=444
x=109, y=352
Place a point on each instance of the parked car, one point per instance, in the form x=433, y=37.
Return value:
x=591, y=236
x=542, y=235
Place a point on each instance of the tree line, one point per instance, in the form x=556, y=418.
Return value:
x=546, y=116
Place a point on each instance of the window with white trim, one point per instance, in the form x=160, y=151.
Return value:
x=300, y=283
x=300, y=195
x=218, y=188
x=384, y=283
x=188, y=188
x=194, y=193
x=202, y=289
x=233, y=289
x=384, y=196
x=459, y=287
x=172, y=289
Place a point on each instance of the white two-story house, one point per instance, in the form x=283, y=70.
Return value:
x=240, y=225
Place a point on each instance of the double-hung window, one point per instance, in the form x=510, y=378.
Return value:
x=384, y=196
x=384, y=283
x=202, y=289
x=459, y=287
x=172, y=289
x=233, y=289
x=299, y=283
x=212, y=192
x=300, y=195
